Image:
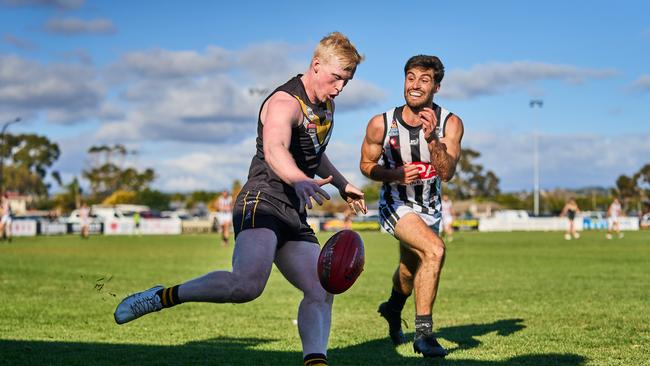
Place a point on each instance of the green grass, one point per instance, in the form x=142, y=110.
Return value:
x=505, y=299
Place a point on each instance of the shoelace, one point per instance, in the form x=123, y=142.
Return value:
x=143, y=305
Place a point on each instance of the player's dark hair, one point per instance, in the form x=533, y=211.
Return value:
x=426, y=62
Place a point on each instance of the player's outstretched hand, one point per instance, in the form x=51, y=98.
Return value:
x=309, y=189
x=355, y=198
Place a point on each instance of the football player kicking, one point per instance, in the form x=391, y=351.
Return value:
x=294, y=126
x=411, y=149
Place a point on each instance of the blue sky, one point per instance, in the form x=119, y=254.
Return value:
x=176, y=80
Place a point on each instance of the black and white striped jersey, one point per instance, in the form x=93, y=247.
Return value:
x=406, y=144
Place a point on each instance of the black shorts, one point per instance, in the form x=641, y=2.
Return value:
x=255, y=209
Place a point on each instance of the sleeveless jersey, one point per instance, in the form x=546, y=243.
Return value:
x=308, y=142
x=224, y=204
x=406, y=144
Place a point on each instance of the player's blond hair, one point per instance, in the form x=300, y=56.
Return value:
x=337, y=45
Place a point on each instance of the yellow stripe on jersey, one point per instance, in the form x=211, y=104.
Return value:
x=257, y=200
x=243, y=215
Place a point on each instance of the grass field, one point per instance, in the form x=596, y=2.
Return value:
x=505, y=299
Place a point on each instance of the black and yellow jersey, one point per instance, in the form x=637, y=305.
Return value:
x=308, y=142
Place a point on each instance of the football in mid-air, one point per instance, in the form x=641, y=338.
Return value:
x=341, y=261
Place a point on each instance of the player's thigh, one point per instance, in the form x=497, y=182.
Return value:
x=297, y=261
x=253, y=254
x=417, y=235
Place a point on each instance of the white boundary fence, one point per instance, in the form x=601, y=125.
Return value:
x=551, y=224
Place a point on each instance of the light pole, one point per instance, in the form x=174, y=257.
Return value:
x=536, y=103
x=2, y=152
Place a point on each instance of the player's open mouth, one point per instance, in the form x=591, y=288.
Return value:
x=416, y=94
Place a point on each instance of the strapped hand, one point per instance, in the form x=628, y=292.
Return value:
x=429, y=123
x=355, y=198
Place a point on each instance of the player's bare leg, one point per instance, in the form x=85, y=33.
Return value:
x=430, y=249
x=225, y=233
x=298, y=261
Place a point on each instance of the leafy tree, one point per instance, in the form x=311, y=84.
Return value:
x=236, y=188
x=156, y=200
x=470, y=180
x=642, y=178
x=20, y=179
x=120, y=196
x=107, y=175
x=27, y=158
x=626, y=188
x=371, y=191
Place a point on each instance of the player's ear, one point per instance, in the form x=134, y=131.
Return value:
x=315, y=64
x=436, y=88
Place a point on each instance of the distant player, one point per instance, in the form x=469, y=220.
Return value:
x=224, y=216
x=411, y=149
x=347, y=218
x=447, y=218
x=293, y=130
x=137, y=219
x=6, y=219
x=84, y=220
x=614, y=212
x=570, y=210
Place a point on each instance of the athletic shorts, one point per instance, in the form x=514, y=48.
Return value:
x=447, y=220
x=255, y=209
x=224, y=217
x=6, y=219
x=390, y=215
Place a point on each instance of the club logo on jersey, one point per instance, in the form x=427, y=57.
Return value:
x=393, y=142
x=393, y=129
x=426, y=170
x=310, y=113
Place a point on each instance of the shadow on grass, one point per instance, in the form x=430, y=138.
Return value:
x=464, y=335
x=247, y=351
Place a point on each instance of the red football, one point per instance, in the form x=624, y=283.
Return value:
x=341, y=261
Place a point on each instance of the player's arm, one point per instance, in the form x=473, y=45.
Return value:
x=280, y=113
x=445, y=152
x=371, y=150
x=351, y=194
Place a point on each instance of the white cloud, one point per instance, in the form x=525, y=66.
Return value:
x=209, y=96
x=18, y=42
x=206, y=167
x=498, y=78
x=65, y=92
x=642, y=84
x=568, y=161
x=359, y=94
x=164, y=64
x=74, y=26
